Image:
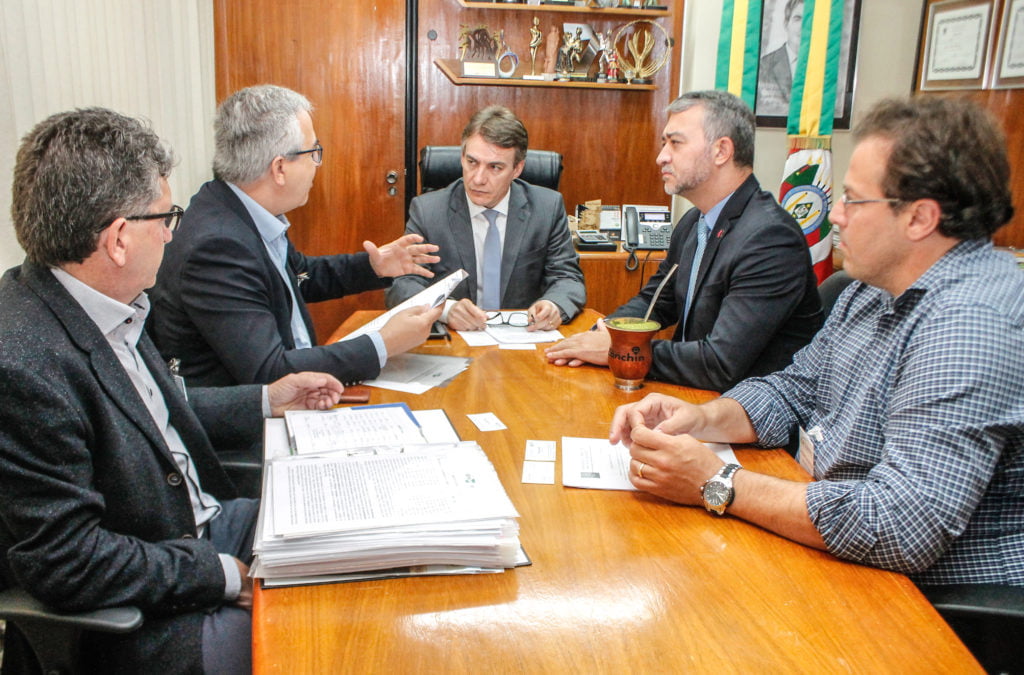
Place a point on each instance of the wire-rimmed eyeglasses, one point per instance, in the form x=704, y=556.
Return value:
x=845, y=199
x=514, y=319
x=171, y=218
x=316, y=153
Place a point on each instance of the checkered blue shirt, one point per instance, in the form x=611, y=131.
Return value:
x=920, y=401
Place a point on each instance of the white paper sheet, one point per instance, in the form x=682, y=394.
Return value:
x=432, y=296
x=595, y=463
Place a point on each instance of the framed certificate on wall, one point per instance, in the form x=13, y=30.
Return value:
x=1009, y=57
x=957, y=38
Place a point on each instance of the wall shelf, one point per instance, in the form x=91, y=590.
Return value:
x=451, y=69
x=610, y=11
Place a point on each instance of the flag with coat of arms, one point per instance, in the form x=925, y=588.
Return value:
x=806, y=190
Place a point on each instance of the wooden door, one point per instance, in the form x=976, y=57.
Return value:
x=348, y=58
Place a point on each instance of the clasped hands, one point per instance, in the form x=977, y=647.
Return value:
x=658, y=432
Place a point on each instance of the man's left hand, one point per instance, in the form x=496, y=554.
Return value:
x=544, y=315
x=405, y=255
x=304, y=391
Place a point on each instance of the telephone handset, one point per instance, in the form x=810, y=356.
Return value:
x=649, y=229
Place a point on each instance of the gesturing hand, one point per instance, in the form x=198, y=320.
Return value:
x=405, y=255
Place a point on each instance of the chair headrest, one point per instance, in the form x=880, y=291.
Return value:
x=442, y=164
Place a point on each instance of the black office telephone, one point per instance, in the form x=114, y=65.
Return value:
x=647, y=229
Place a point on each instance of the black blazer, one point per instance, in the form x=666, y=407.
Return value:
x=756, y=301
x=221, y=306
x=94, y=512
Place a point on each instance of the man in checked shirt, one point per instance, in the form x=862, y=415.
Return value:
x=911, y=395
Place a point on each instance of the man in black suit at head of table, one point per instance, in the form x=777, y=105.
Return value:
x=230, y=299
x=744, y=298
x=112, y=492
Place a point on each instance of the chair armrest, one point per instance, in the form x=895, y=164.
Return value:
x=17, y=605
x=978, y=599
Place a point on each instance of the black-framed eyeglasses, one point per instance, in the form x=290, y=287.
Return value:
x=845, y=199
x=171, y=218
x=514, y=319
x=316, y=153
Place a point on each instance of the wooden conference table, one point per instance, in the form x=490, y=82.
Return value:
x=621, y=582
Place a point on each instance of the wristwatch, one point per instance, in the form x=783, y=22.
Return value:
x=717, y=492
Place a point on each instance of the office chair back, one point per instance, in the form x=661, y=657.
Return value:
x=988, y=618
x=440, y=165
x=831, y=288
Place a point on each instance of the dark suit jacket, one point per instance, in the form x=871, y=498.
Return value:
x=774, y=83
x=538, y=259
x=756, y=300
x=221, y=306
x=94, y=511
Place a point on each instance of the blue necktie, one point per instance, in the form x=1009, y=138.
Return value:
x=490, y=295
x=702, y=242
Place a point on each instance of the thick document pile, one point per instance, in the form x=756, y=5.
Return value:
x=405, y=510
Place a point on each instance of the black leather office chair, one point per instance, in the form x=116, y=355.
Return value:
x=442, y=164
x=54, y=637
x=989, y=618
x=830, y=289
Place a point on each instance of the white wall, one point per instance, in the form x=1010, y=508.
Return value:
x=885, y=67
x=146, y=58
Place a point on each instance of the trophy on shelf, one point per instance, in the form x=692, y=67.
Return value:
x=478, y=52
x=536, y=39
x=634, y=54
x=508, y=60
x=604, y=53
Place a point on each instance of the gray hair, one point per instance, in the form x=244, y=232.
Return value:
x=498, y=126
x=252, y=127
x=725, y=116
x=75, y=173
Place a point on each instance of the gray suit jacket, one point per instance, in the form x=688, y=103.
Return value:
x=94, y=512
x=538, y=259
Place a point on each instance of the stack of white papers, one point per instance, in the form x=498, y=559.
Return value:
x=360, y=428
x=343, y=513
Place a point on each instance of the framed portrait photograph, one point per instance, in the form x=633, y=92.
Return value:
x=781, y=29
x=1009, y=57
x=957, y=41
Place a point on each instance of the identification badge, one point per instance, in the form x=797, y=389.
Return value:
x=805, y=456
x=180, y=381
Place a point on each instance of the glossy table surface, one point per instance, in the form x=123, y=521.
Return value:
x=620, y=582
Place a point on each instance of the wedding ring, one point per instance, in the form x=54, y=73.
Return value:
x=640, y=471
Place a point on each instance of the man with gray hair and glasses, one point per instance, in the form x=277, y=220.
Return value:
x=230, y=299
x=112, y=492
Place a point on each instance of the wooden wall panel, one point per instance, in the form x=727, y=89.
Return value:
x=1007, y=106
x=608, y=138
x=349, y=60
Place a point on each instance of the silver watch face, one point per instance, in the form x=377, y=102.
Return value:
x=716, y=493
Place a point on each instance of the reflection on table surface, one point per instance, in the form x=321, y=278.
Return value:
x=620, y=581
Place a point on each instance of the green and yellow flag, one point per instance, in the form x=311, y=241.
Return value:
x=739, y=48
x=806, y=190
